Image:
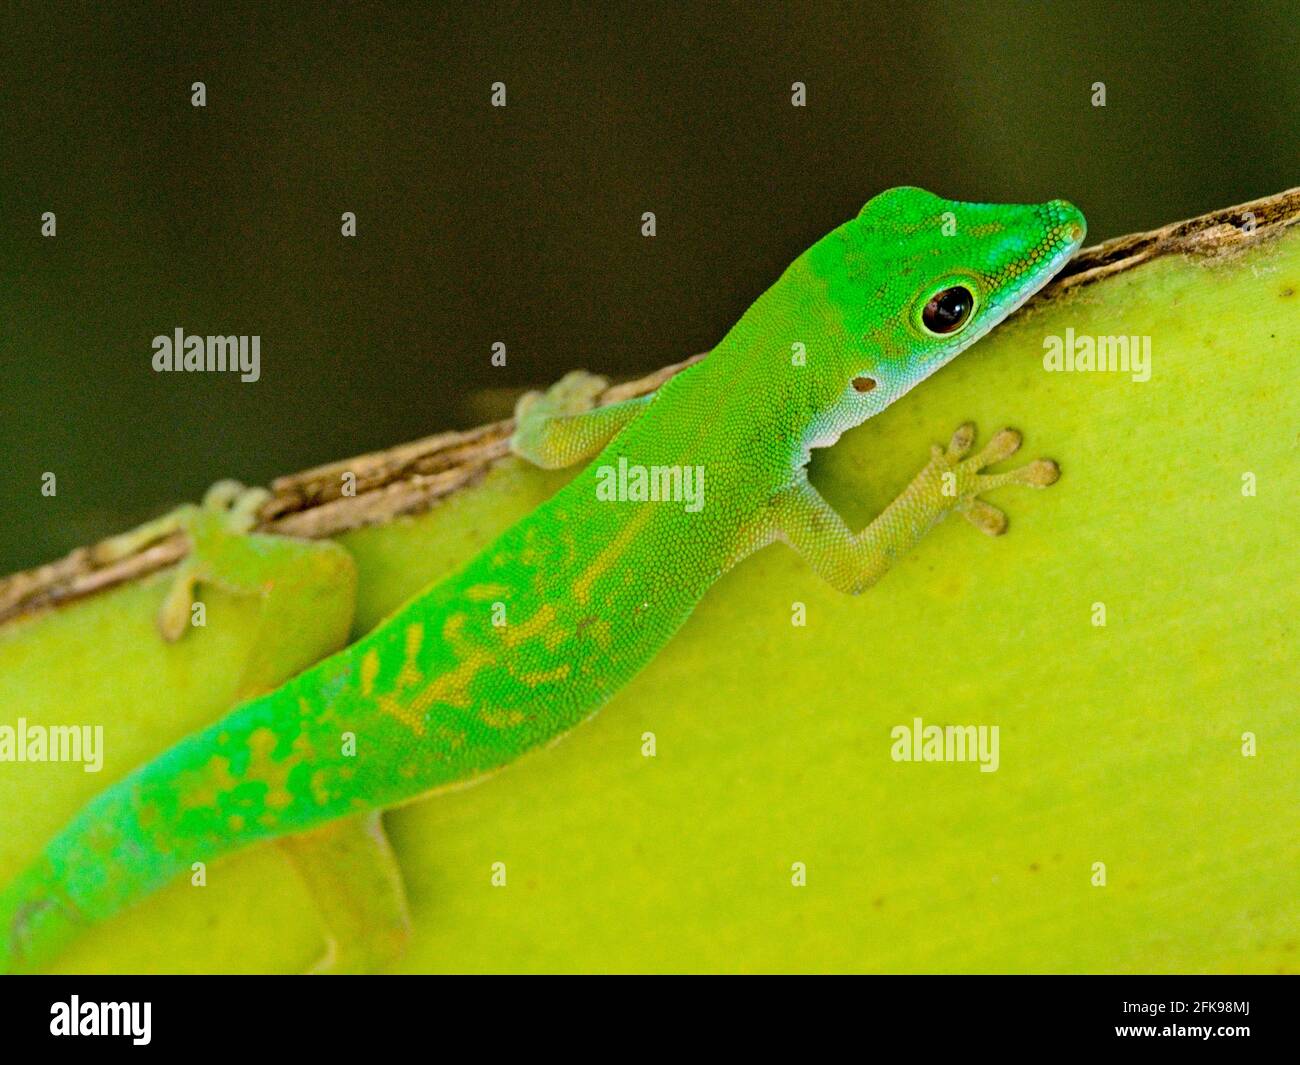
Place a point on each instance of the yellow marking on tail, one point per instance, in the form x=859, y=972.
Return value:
x=544, y=676
x=514, y=635
x=319, y=791
x=407, y=713
x=452, y=687
x=452, y=628
x=369, y=671
x=199, y=789
x=410, y=673
x=501, y=718
x=264, y=768
x=304, y=747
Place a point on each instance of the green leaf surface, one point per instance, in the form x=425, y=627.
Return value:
x=1119, y=744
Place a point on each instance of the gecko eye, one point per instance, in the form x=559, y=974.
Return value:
x=948, y=310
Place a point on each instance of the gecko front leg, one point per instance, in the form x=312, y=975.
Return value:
x=560, y=426
x=950, y=481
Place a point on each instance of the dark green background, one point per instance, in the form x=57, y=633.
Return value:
x=522, y=225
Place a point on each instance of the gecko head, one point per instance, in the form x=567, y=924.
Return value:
x=917, y=279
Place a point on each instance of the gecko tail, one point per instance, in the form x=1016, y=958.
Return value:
x=144, y=830
x=36, y=923
x=38, y=914
x=85, y=874
x=280, y=764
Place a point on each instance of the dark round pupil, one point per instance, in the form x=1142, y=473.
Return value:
x=947, y=309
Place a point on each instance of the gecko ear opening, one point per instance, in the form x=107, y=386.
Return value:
x=863, y=384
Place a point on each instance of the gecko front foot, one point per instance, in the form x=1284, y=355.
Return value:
x=562, y=425
x=574, y=393
x=961, y=476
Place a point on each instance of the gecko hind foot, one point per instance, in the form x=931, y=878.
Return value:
x=229, y=499
x=239, y=504
x=229, y=510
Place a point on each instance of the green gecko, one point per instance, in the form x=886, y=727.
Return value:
x=538, y=631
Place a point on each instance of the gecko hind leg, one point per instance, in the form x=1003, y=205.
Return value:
x=352, y=875
x=307, y=590
x=307, y=587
